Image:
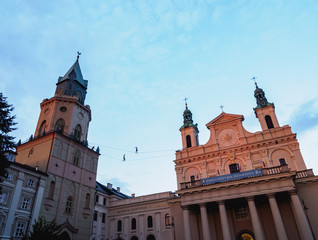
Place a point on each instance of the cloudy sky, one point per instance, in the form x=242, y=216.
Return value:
x=142, y=58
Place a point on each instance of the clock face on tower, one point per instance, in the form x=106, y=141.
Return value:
x=227, y=137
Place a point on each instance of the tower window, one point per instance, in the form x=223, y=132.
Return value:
x=234, y=168
x=79, y=96
x=59, y=125
x=68, y=207
x=133, y=224
x=269, y=122
x=51, y=190
x=87, y=200
x=119, y=226
x=167, y=220
x=42, y=128
x=188, y=139
x=77, y=132
x=76, y=158
x=149, y=221
x=282, y=162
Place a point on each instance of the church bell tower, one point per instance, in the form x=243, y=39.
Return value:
x=189, y=131
x=60, y=148
x=264, y=111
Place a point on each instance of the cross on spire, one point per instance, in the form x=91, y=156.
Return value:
x=185, y=100
x=254, y=79
x=78, y=54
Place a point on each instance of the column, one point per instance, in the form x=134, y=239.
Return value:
x=13, y=207
x=205, y=222
x=304, y=227
x=224, y=221
x=186, y=223
x=280, y=229
x=257, y=226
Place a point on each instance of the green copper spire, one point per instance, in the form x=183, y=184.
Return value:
x=74, y=73
x=187, y=118
x=72, y=83
x=261, y=100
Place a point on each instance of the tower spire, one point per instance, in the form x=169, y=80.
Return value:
x=259, y=95
x=187, y=116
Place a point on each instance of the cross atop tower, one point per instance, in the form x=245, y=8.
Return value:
x=185, y=100
x=254, y=79
x=78, y=54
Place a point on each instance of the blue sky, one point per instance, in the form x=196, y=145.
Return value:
x=142, y=58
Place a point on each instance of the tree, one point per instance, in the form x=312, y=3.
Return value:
x=6, y=126
x=43, y=229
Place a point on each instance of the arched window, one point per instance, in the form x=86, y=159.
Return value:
x=269, y=122
x=234, y=168
x=76, y=157
x=119, y=225
x=282, y=162
x=65, y=236
x=51, y=190
x=59, y=125
x=134, y=238
x=42, y=128
x=87, y=200
x=149, y=222
x=69, y=202
x=150, y=237
x=133, y=224
x=167, y=220
x=188, y=139
x=79, y=96
x=78, y=132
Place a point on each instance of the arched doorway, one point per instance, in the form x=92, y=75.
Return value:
x=150, y=237
x=245, y=235
x=134, y=238
x=65, y=236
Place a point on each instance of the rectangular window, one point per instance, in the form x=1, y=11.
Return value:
x=104, y=201
x=25, y=203
x=3, y=198
x=103, y=217
x=9, y=176
x=30, y=182
x=241, y=213
x=19, y=230
x=95, y=215
x=97, y=198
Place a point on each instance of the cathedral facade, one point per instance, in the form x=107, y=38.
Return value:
x=239, y=185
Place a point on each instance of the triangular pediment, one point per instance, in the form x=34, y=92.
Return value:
x=225, y=118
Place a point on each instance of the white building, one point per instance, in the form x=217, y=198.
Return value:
x=20, y=200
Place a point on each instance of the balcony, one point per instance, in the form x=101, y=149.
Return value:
x=243, y=175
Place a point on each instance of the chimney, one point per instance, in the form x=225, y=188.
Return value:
x=132, y=195
x=109, y=185
x=118, y=189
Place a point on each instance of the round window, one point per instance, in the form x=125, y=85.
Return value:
x=63, y=109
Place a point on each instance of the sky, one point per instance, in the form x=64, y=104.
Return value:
x=142, y=58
